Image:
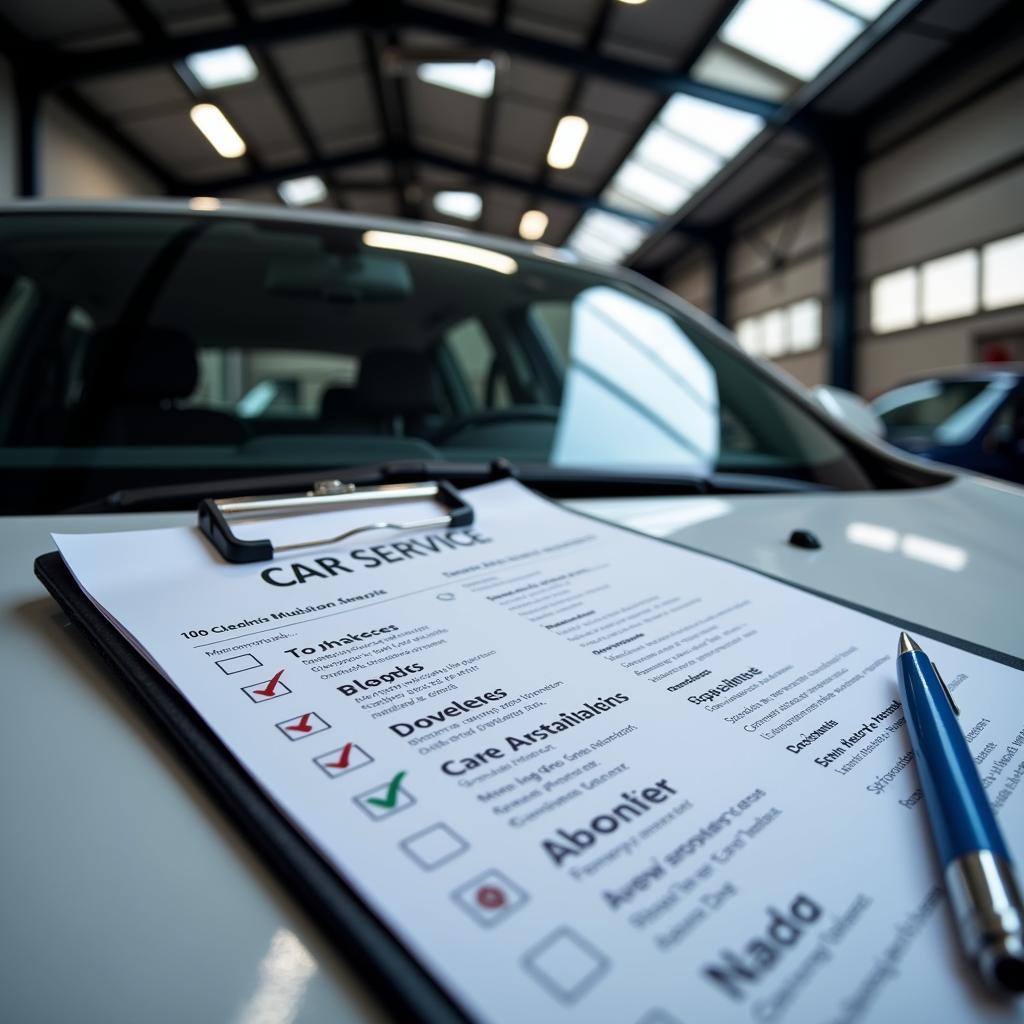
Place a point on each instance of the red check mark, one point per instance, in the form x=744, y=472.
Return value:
x=342, y=762
x=268, y=690
x=302, y=725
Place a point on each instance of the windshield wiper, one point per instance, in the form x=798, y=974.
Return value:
x=554, y=481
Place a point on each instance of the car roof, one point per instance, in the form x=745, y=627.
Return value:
x=976, y=372
x=266, y=212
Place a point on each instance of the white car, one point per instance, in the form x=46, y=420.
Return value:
x=151, y=355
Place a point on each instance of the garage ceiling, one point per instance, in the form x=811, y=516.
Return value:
x=337, y=95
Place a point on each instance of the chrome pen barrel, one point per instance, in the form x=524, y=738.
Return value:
x=986, y=903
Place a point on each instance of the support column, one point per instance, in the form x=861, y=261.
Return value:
x=27, y=145
x=843, y=155
x=721, y=246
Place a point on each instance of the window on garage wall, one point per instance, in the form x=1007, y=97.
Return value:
x=783, y=331
x=1002, y=273
x=948, y=287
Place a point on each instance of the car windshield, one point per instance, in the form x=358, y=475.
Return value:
x=141, y=349
x=940, y=411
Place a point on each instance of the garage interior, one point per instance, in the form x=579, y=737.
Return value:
x=842, y=184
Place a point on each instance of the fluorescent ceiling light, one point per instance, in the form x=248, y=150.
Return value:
x=218, y=130
x=443, y=249
x=566, y=142
x=798, y=36
x=633, y=3
x=474, y=78
x=463, y=205
x=204, y=203
x=533, y=224
x=675, y=156
x=650, y=188
x=215, y=69
x=721, y=129
x=303, y=191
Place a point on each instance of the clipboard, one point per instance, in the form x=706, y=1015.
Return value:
x=402, y=986
x=399, y=981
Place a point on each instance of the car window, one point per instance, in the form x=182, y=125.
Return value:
x=922, y=407
x=480, y=376
x=145, y=349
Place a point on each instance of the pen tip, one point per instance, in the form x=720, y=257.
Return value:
x=907, y=643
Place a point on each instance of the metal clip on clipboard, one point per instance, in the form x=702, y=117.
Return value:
x=326, y=496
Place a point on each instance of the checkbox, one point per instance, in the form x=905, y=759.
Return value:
x=489, y=898
x=301, y=726
x=266, y=690
x=342, y=760
x=239, y=663
x=385, y=800
x=434, y=846
x=565, y=964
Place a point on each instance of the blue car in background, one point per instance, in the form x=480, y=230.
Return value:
x=971, y=417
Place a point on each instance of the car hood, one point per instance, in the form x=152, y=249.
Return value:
x=948, y=558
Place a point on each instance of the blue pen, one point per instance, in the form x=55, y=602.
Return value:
x=982, y=889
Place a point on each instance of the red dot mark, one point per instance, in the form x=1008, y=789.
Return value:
x=490, y=896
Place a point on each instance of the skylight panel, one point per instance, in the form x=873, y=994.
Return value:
x=473, y=78
x=617, y=200
x=618, y=230
x=719, y=65
x=869, y=9
x=798, y=36
x=216, y=69
x=461, y=205
x=595, y=248
x=665, y=150
x=721, y=129
x=604, y=236
x=651, y=188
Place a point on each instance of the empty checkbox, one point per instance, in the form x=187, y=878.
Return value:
x=434, y=846
x=239, y=663
x=565, y=964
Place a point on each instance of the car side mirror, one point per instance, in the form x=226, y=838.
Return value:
x=849, y=409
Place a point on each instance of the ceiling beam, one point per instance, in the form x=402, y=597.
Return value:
x=384, y=15
x=268, y=66
x=395, y=154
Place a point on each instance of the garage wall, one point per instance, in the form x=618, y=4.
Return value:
x=75, y=161
x=943, y=173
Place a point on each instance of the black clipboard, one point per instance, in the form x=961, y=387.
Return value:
x=401, y=984
x=399, y=981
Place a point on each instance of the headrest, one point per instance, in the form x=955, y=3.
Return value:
x=336, y=403
x=395, y=382
x=160, y=363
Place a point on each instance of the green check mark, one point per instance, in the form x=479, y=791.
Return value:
x=391, y=799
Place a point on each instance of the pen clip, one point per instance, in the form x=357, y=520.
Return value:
x=945, y=689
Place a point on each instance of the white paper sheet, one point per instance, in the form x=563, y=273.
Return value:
x=585, y=776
